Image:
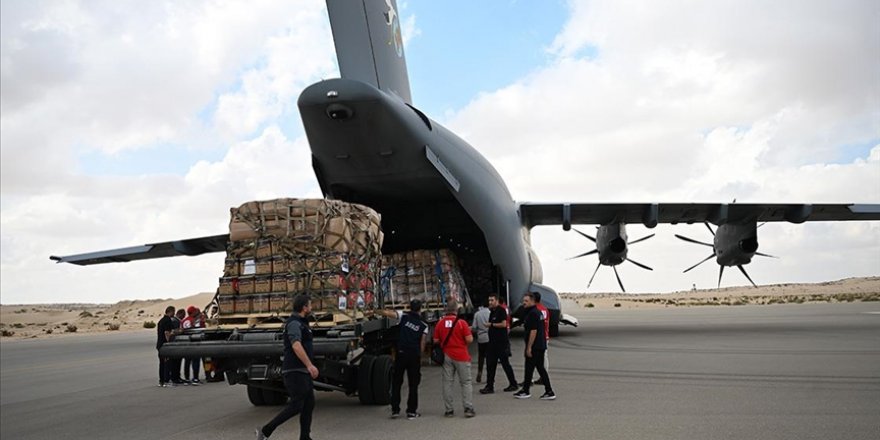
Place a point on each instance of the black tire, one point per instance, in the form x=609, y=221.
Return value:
x=274, y=397
x=555, y=317
x=365, y=380
x=255, y=395
x=382, y=380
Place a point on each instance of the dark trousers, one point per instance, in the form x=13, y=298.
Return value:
x=493, y=356
x=533, y=363
x=192, y=364
x=164, y=370
x=482, y=349
x=302, y=401
x=411, y=364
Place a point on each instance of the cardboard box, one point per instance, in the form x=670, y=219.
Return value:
x=262, y=284
x=246, y=285
x=260, y=304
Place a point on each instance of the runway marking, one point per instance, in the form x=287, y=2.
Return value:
x=871, y=313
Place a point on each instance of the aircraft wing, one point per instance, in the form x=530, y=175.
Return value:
x=650, y=214
x=189, y=247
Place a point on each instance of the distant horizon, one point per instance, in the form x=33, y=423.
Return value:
x=143, y=122
x=560, y=293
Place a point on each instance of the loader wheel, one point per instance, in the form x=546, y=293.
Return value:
x=274, y=397
x=382, y=380
x=255, y=395
x=365, y=380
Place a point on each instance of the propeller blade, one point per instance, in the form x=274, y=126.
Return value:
x=585, y=235
x=720, y=273
x=583, y=254
x=618, y=279
x=639, y=264
x=743, y=270
x=594, y=274
x=709, y=228
x=765, y=255
x=641, y=239
x=701, y=262
x=691, y=240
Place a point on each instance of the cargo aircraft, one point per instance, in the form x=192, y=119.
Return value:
x=371, y=144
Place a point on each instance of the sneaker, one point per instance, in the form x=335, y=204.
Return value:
x=395, y=414
x=469, y=412
x=196, y=381
x=260, y=435
x=412, y=415
x=161, y=384
x=522, y=394
x=550, y=395
x=449, y=413
x=487, y=390
x=511, y=388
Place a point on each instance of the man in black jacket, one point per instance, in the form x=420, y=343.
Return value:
x=164, y=329
x=297, y=370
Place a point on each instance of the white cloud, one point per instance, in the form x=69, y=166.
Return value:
x=111, y=77
x=697, y=102
x=684, y=102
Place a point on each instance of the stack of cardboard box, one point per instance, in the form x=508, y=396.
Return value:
x=283, y=247
x=429, y=275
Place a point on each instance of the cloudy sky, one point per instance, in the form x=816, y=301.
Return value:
x=128, y=122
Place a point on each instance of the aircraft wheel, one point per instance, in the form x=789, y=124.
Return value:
x=255, y=395
x=382, y=380
x=365, y=380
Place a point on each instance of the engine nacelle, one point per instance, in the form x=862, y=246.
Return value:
x=611, y=243
x=736, y=244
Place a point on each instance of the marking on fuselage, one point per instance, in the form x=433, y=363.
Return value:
x=453, y=182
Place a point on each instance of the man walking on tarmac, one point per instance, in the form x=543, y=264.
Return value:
x=410, y=346
x=297, y=370
x=536, y=345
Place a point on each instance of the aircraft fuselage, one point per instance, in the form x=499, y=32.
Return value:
x=432, y=188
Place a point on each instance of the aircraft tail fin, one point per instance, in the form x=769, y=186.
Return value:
x=369, y=45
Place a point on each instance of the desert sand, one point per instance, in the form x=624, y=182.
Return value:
x=58, y=320
x=846, y=290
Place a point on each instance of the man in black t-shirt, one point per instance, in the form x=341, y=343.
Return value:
x=499, y=347
x=410, y=346
x=536, y=346
x=163, y=334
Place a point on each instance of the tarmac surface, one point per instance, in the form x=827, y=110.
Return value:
x=809, y=371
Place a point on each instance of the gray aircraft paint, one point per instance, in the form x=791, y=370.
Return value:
x=371, y=146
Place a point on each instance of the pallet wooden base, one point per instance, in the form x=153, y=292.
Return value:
x=270, y=320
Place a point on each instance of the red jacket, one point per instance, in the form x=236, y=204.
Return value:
x=457, y=347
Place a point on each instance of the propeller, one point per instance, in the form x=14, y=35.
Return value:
x=714, y=253
x=594, y=251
